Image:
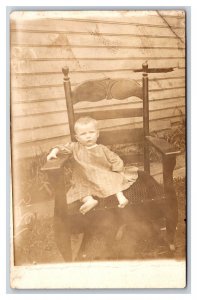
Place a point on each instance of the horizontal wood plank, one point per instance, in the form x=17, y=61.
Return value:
x=56, y=89
x=44, y=53
x=166, y=83
x=59, y=105
x=39, y=133
x=88, y=39
x=104, y=16
x=48, y=109
x=117, y=17
x=57, y=93
x=54, y=79
x=112, y=114
x=44, y=123
x=121, y=136
x=172, y=14
x=167, y=93
x=180, y=32
x=174, y=21
x=77, y=65
x=97, y=30
x=82, y=20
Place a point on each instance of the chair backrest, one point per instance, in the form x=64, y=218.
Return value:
x=106, y=88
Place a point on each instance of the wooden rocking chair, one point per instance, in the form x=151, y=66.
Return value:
x=147, y=196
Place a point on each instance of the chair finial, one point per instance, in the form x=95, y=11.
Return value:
x=145, y=67
x=65, y=71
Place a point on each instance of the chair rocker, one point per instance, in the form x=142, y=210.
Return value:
x=147, y=197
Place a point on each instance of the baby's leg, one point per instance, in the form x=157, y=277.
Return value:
x=89, y=203
x=123, y=201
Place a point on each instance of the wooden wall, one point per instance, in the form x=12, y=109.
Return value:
x=93, y=45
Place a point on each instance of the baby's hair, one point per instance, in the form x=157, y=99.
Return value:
x=85, y=121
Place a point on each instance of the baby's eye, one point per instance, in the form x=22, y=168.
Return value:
x=81, y=134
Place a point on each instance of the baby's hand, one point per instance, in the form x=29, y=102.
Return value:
x=52, y=154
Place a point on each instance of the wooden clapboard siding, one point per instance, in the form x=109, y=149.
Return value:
x=48, y=106
x=25, y=37
x=93, y=45
x=44, y=53
x=33, y=94
x=39, y=146
x=176, y=24
x=180, y=32
x=167, y=93
x=57, y=93
x=146, y=18
x=62, y=129
x=24, y=66
x=56, y=79
x=53, y=117
x=113, y=43
x=174, y=20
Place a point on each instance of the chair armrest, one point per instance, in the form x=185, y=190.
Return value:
x=55, y=164
x=162, y=146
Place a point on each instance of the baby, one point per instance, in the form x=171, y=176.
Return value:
x=97, y=171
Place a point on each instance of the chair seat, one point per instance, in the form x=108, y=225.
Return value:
x=144, y=192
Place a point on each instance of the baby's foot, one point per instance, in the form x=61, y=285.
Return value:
x=89, y=203
x=123, y=201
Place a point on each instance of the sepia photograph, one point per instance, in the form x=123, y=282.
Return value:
x=98, y=149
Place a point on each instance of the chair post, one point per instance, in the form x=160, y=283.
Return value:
x=146, y=117
x=69, y=104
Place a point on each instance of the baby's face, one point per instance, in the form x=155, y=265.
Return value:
x=87, y=134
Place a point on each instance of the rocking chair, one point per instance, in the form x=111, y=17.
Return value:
x=146, y=196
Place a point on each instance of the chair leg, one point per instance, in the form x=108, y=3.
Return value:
x=63, y=237
x=61, y=219
x=171, y=217
x=171, y=200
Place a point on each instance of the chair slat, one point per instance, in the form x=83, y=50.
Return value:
x=111, y=114
x=96, y=90
x=110, y=137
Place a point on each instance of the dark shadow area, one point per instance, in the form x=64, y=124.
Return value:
x=142, y=239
